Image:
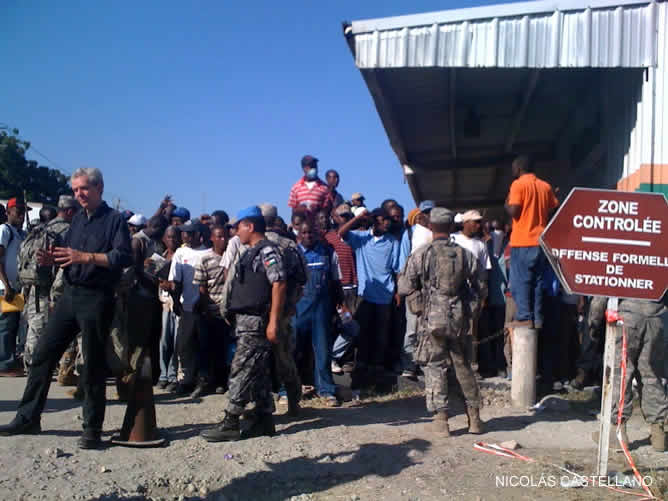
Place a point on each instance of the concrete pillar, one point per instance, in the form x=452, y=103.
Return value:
x=525, y=352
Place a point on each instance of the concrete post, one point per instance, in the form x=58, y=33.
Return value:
x=525, y=352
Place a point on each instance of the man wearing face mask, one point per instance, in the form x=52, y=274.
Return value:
x=310, y=191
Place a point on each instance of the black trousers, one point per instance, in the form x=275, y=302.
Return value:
x=84, y=310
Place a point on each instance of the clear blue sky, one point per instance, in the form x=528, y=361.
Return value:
x=213, y=102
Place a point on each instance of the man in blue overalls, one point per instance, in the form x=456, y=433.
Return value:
x=314, y=308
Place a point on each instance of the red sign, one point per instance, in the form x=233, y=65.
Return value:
x=610, y=243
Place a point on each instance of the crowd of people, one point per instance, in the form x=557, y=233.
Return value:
x=255, y=306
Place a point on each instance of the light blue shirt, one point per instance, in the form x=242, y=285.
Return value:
x=377, y=262
x=404, y=249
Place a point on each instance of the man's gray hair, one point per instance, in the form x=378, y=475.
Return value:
x=93, y=174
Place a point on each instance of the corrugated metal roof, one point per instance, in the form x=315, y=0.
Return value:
x=544, y=34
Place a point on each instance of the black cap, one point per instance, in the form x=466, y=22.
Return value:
x=309, y=160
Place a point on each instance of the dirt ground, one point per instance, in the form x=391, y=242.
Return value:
x=380, y=450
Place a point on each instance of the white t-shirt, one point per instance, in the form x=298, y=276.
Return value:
x=10, y=239
x=182, y=270
x=421, y=236
x=475, y=247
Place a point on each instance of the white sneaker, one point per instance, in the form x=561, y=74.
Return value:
x=283, y=400
x=557, y=386
x=336, y=368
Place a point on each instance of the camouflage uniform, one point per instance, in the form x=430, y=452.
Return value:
x=436, y=350
x=250, y=374
x=37, y=305
x=286, y=368
x=643, y=321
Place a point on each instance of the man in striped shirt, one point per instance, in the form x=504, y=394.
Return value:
x=310, y=191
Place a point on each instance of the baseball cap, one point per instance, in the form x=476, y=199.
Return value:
x=137, y=220
x=426, y=205
x=127, y=214
x=248, y=212
x=67, y=202
x=309, y=160
x=441, y=215
x=357, y=196
x=471, y=215
x=181, y=212
x=17, y=202
x=268, y=210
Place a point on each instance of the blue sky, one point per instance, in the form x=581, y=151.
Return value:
x=212, y=102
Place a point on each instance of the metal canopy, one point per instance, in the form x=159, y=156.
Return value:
x=461, y=92
x=523, y=35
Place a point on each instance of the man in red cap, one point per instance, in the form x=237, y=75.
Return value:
x=11, y=236
x=310, y=191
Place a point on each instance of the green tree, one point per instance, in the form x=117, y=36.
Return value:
x=17, y=174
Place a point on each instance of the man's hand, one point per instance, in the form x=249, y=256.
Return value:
x=272, y=332
x=10, y=294
x=45, y=257
x=166, y=285
x=397, y=300
x=166, y=202
x=64, y=256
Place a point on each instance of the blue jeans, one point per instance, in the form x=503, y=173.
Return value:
x=169, y=362
x=9, y=329
x=527, y=265
x=312, y=327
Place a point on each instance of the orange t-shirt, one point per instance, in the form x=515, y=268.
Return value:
x=535, y=198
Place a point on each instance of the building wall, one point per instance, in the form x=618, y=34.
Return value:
x=645, y=166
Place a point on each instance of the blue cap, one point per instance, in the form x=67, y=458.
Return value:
x=252, y=211
x=181, y=212
x=426, y=205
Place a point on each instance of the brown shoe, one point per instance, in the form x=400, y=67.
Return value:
x=657, y=437
x=67, y=379
x=440, y=424
x=18, y=372
x=475, y=423
x=578, y=382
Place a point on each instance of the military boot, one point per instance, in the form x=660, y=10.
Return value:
x=263, y=425
x=440, y=424
x=657, y=437
x=293, y=402
x=227, y=430
x=475, y=423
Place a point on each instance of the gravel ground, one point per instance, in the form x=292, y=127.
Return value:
x=380, y=450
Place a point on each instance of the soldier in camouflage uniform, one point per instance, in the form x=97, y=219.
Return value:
x=643, y=322
x=257, y=297
x=38, y=292
x=286, y=369
x=447, y=276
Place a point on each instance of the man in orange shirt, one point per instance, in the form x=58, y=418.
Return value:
x=529, y=203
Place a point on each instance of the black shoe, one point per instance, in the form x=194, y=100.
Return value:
x=171, y=387
x=262, y=426
x=227, y=430
x=90, y=439
x=20, y=427
x=200, y=390
x=162, y=385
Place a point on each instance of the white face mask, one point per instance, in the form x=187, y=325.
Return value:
x=312, y=174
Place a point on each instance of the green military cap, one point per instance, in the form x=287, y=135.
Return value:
x=441, y=215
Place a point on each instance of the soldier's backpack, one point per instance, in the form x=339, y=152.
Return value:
x=445, y=273
x=296, y=270
x=42, y=236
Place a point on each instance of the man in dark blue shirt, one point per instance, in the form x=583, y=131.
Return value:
x=95, y=250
